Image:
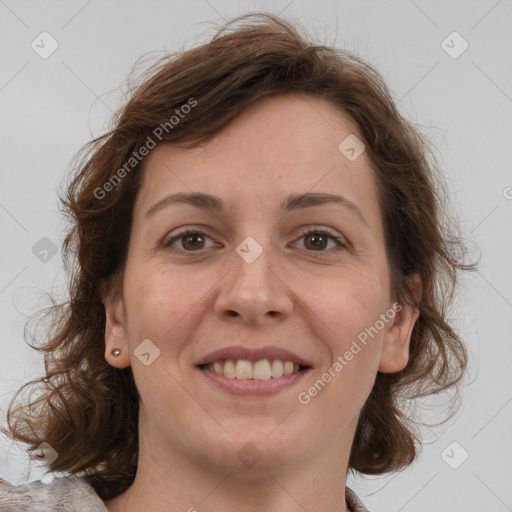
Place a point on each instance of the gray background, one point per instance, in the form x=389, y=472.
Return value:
x=51, y=107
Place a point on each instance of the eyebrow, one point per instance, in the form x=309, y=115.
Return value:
x=293, y=202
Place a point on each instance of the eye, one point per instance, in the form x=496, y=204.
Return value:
x=188, y=240
x=313, y=240
x=317, y=240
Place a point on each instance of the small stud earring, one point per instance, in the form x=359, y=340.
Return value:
x=115, y=352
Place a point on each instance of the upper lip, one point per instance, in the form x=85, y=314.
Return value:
x=255, y=354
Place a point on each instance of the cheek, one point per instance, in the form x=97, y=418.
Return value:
x=158, y=301
x=161, y=306
x=345, y=309
x=161, y=286
x=347, y=302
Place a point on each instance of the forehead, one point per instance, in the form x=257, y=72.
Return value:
x=280, y=145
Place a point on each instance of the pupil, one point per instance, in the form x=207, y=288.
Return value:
x=192, y=237
x=318, y=241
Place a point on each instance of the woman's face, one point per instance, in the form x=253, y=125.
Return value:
x=287, y=255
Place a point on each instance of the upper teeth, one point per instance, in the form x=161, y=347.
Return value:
x=258, y=370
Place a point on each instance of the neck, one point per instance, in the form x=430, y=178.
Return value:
x=173, y=480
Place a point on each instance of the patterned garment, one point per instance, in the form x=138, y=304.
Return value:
x=67, y=494
x=73, y=494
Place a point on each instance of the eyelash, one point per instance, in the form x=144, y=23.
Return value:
x=340, y=241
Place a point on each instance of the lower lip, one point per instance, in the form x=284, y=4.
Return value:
x=254, y=387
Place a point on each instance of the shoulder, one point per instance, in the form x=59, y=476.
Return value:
x=62, y=494
x=354, y=503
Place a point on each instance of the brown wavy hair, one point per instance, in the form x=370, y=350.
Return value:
x=86, y=409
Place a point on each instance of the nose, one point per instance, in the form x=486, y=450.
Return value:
x=254, y=292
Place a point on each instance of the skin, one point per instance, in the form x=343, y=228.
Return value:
x=313, y=301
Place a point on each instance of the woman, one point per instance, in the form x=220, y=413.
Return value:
x=262, y=269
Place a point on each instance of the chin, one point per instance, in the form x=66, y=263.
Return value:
x=254, y=444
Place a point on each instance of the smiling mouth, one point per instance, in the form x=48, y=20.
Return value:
x=242, y=369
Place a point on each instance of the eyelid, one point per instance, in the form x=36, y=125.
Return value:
x=320, y=229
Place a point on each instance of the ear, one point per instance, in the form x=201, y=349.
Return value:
x=395, y=348
x=115, y=332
